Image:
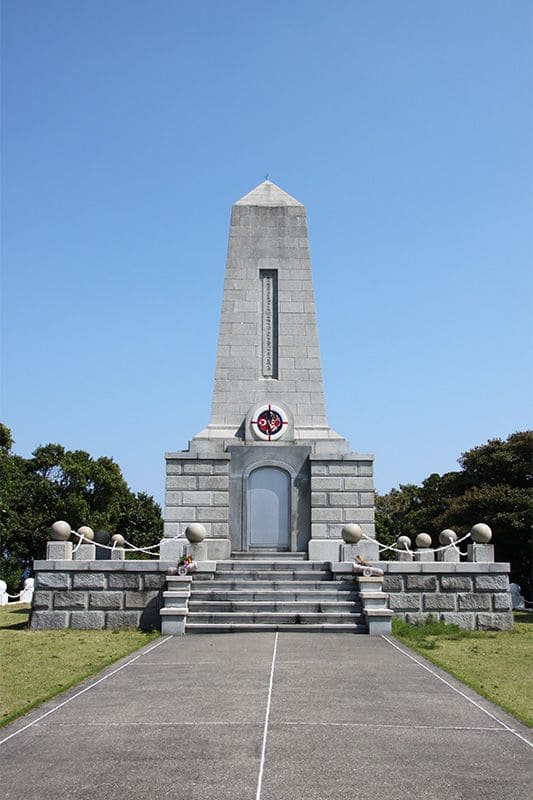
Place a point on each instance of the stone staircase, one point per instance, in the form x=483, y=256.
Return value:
x=285, y=594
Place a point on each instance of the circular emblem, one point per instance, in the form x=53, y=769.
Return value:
x=269, y=423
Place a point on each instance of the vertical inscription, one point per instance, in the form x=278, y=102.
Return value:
x=269, y=291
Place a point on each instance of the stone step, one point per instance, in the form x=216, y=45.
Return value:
x=290, y=595
x=268, y=555
x=218, y=584
x=271, y=617
x=274, y=575
x=196, y=627
x=262, y=566
x=305, y=607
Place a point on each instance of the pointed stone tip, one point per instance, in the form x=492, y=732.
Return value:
x=267, y=194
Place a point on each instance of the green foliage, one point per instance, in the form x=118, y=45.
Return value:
x=61, y=484
x=493, y=486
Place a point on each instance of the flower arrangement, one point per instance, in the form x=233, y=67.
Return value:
x=186, y=564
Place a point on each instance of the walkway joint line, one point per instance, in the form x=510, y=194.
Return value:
x=78, y=694
x=265, y=731
x=466, y=697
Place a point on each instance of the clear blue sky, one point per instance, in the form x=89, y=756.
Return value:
x=129, y=129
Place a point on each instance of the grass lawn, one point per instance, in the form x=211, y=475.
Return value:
x=36, y=665
x=497, y=664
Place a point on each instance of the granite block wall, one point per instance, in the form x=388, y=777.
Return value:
x=342, y=491
x=197, y=490
x=98, y=594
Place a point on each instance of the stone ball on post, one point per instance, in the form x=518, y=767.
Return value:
x=423, y=540
x=481, y=533
x=86, y=532
x=403, y=542
x=447, y=536
x=102, y=537
x=352, y=534
x=195, y=532
x=60, y=531
x=118, y=540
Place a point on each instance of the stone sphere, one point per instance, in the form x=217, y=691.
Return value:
x=195, y=532
x=403, y=542
x=29, y=583
x=60, y=531
x=118, y=540
x=481, y=533
x=352, y=534
x=423, y=540
x=447, y=536
x=172, y=571
x=86, y=532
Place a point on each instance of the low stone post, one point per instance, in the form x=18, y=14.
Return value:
x=423, y=542
x=481, y=551
x=4, y=599
x=197, y=548
x=404, y=543
x=450, y=554
x=26, y=594
x=171, y=549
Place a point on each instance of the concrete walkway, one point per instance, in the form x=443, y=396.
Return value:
x=267, y=717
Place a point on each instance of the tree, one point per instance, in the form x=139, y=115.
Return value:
x=61, y=484
x=493, y=486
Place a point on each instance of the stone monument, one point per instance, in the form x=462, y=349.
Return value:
x=268, y=474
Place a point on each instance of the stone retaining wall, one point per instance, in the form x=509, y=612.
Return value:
x=98, y=594
x=474, y=596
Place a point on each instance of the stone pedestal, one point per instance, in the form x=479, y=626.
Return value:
x=424, y=555
x=481, y=553
x=364, y=548
x=324, y=549
x=118, y=554
x=198, y=550
x=404, y=556
x=85, y=552
x=172, y=549
x=59, y=551
x=450, y=555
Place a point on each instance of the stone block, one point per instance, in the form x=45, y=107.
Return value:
x=218, y=549
x=324, y=549
x=358, y=484
x=212, y=514
x=180, y=514
x=118, y=554
x=424, y=555
x=139, y=599
x=319, y=499
x=421, y=583
x=122, y=619
x=179, y=483
x=172, y=549
x=404, y=557
x=456, y=583
x=52, y=580
x=417, y=618
x=198, y=469
x=69, y=599
x=105, y=600
x=87, y=620
x=439, y=602
x=48, y=620
x=502, y=601
x=474, y=602
x=366, y=499
x=41, y=601
x=85, y=552
x=197, y=498
x=213, y=482
x=482, y=553
x=321, y=484
x=405, y=601
x=88, y=580
x=495, y=622
x=156, y=581
x=392, y=583
x=122, y=580
x=358, y=514
x=450, y=555
x=59, y=551
x=198, y=550
x=344, y=499
x=327, y=515
x=220, y=498
x=467, y=621
x=364, y=548
x=491, y=583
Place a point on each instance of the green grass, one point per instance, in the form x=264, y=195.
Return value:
x=37, y=665
x=496, y=664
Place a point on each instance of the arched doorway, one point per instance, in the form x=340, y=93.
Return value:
x=269, y=509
